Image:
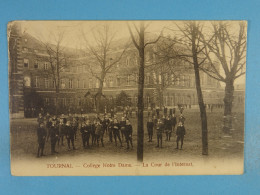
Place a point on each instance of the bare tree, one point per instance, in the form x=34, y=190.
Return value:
x=139, y=43
x=192, y=53
x=225, y=50
x=101, y=58
x=57, y=58
x=166, y=68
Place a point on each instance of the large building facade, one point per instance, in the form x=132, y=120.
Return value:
x=32, y=87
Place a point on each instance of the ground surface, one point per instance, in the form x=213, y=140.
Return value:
x=24, y=141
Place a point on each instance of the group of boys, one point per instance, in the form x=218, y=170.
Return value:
x=56, y=128
x=166, y=125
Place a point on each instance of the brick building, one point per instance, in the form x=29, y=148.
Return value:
x=32, y=87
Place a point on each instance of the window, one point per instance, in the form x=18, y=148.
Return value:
x=188, y=81
x=85, y=68
x=70, y=83
x=111, y=82
x=46, y=82
x=90, y=83
x=27, y=81
x=84, y=84
x=128, y=80
x=105, y=83
x=36, y=83
x=173, y=79
x=45, y=66
x=148, y=100
x=26, y=63
x=182, y=80
x=63, y=101
x=160, y=79
x=118, y=80
x=127, y=61
x=47, y=101
x=62, y=83
x=136, y=78
x=178, y=81
x=53, y=83
x=78, y=83
x=36, y=65
x=97, y=83
x=79, y=102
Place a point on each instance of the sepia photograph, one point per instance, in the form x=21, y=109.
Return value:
x=108, y=98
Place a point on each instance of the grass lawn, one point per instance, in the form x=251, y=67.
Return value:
x=24, y=140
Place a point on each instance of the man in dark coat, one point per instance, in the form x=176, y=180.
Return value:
x=173, y=122
x=182, y=119
x=150, y=126
x=40, y=119
x=110, y=129
x=116, y=133
x=69, y=131
x=168, y=128
x=159, y=131
x=128, y=134
x=48, y=126
x=54, y=134
x=41, y=134
x=61, y=127
x=122, y=127
x=87, y=132
x=180, y=133
x=99, y=133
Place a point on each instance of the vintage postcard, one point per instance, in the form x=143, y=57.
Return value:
x=127, y=97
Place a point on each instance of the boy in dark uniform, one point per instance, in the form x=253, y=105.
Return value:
x=54, y=134
x=128, y=133
x=159, y=131
x=75, y=127
x=40, y=119
x=61, y=126
x=168, y=128
x=173, y=121
x=180, y=133
x=41, y=134
x=116, y=132
x=48, y=126
x=83, y=134
x=122, y=127
x=99, y=133
x=93, y=136
x=182, y=119
x=69, y=135
x=110, y=129
x=87, y=131
x=150, y=126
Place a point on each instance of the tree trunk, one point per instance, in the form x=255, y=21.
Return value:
x=203, y=114
x=98, y=97
x=228, y=100
x=140, y=105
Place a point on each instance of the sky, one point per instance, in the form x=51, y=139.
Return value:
x=76, y=32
